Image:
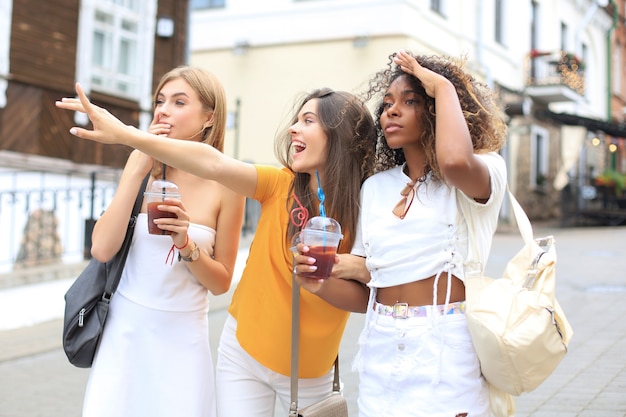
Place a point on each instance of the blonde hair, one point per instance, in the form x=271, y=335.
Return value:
x=213, y=97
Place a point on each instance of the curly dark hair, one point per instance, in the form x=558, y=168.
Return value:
x=350, y=157
x=483, y=113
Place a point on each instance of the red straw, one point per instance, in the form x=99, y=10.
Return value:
x=299, y=215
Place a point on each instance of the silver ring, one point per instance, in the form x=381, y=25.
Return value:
x=294, y=269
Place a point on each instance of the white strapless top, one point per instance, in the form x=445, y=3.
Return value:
x=152, y=280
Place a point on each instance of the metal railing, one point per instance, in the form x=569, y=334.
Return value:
x=556, y=68
x=45, y=218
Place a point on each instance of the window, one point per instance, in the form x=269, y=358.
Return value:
x=584, y=56
x=539, y=153
x=6, y=13
x=207, y=4
x=534, y=36
x=617, y=68
x=116, y=43
x=534, y=25
x=438, y=6
x=564, y=35
x=114, y=52
x=499, y=22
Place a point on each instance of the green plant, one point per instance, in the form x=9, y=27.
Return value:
x=612, y=178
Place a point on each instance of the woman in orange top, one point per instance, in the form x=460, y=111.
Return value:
x=332, y=134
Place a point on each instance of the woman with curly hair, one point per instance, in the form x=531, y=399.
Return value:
x=332, y=134
x=438, y=135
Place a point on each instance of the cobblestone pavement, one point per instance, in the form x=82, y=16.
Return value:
x=37, y=380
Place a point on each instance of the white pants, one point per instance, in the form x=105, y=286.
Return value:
x=245, y=388
x=419, y=366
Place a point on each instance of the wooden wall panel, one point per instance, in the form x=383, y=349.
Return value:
x=54, y=133
x=43, y=42
x=42, y=70
x=172, y=52
x=20, y=119
x=32, y=124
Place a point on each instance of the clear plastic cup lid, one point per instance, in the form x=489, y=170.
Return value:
x=163, y=187
x=326, y=224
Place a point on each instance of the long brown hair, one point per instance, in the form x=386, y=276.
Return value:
x=349, y=127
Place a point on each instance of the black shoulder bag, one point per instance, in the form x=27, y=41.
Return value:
x=87, y=300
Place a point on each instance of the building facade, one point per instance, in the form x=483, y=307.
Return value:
x=52, y=185
x=117, y=50
x=550, y=60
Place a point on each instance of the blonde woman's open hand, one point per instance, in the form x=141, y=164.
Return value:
x=106, y=127
x=430, y=80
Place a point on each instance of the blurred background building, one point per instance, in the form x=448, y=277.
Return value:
x=558, y=66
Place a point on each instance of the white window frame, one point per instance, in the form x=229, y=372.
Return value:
x=6, y=12
x=141, y=13
x=539, y=156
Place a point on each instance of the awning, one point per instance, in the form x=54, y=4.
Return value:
x=614, y=129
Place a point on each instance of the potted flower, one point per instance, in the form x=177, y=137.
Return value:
x=611, y=179
x=571, y=62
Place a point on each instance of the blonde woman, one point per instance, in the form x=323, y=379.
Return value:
x=154, y=358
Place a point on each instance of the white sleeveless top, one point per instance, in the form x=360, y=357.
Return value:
x=433, y=235
x=150, y=281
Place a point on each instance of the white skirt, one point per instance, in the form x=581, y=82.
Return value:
x=151, y=363
x=419, y=367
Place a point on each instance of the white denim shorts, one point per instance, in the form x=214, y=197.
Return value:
x=420, y=365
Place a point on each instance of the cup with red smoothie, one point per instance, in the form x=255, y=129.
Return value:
x=322, y=235
x=159, y=193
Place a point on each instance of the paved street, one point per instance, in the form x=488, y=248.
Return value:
x=36, y=380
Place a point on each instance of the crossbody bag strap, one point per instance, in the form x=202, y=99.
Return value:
x=116, y=265
x=295, y=336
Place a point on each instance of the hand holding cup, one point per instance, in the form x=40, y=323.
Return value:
x=160, y=193
x=322, y=236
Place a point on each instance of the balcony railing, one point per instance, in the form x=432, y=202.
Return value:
x=555, y=76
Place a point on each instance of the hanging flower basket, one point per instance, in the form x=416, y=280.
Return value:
x=571, y=62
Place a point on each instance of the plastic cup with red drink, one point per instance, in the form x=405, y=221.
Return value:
x=322, y=235
x=160, y=193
